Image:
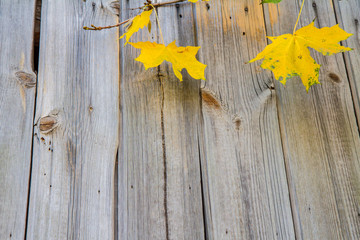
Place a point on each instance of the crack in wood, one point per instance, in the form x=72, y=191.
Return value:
x=164, y=155
x=35, y=55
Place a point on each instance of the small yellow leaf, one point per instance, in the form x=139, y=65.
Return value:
x=288, y=55
x=153, y=54
x=138, y=22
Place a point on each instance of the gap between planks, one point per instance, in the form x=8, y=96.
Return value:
x=35, y=63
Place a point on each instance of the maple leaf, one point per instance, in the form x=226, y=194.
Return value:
x=288, y=55
x=138, y=22
x=153, y=54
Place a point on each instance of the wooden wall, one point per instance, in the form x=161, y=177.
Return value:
x=93, y=146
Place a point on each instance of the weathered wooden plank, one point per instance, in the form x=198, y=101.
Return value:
x=348, y=17
x=141, y=212
x=17, y=97
x=320, y=136
x=182, y=128
x=159, y=169
x=77, y=119
x=245, y=187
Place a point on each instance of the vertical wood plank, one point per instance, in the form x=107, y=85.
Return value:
x=245, y=186
x=141, y=207
x=77, y=119
x=181, y=130
x=348, y=17
x=17, y=97
x=320, y=136
x=159, y=168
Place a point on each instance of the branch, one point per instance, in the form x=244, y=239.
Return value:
x=160, y=4
x=166, y=3
x=148, y=3
x=107, y=27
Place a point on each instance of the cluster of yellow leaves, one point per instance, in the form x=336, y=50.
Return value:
x=288, y=55
x=153, y=54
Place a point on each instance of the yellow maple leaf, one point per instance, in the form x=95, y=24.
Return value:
x=197, y=0
x=153, y=54
x=138, y=22
x=288, y=55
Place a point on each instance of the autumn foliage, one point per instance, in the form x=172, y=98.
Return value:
x=287, y=56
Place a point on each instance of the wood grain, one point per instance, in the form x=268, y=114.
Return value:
x=17, y=97
x=159, y=167
x=348, y=17
x=182, y=127
x=118, y=152
x=245, y=189
x=141, y=207
x=77, y=119
x=319, y=132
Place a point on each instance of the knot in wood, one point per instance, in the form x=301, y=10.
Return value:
x=47, y=124
x=334, y=77
x=25, y=79
x=237, y=123
x=114, y=7
x=210, y=100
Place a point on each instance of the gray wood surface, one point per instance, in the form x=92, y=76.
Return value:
x=119, y=152
x=141, y=207
x=182, y=128
x=159, y=167
x=77, y=118
x=245, y=188
x=319, y=132
x=348, y=17
x=17, y=97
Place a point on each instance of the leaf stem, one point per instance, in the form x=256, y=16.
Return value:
x=302, y=5
x=157, y=19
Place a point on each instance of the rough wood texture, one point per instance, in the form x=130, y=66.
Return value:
x=141, y=205
x=182, y=127
x=245, y=188
x=122, y=153
x=77, y=118
x=348, y=17
x=321, y=141
x=159, y=168
x=17, y=97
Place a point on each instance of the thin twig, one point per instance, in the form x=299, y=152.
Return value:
x=148, y=3
x=161, y=4
x=166, y=3
x=101, y=28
